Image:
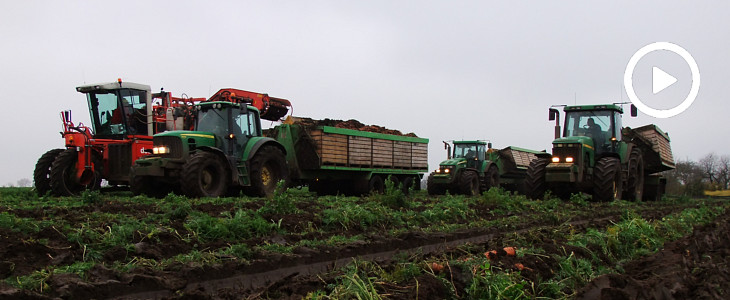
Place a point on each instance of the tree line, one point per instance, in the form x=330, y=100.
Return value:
x=692, y=178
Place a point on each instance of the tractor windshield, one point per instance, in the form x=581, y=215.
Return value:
x=214, y=121
x=468, y=151
x=115, y=113
x=596, y=124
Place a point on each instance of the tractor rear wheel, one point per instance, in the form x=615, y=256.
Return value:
x=204, y=175
x=469, y=183
x=42, y=172
x=535, y=185
x=434, y=188
x=268, y=167
x=491, y=178
x=635, y=183
x=607, y=180
x=63, y=174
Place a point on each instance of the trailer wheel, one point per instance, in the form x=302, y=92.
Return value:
x=635, y=183
x=491, y=178
x=395, y=181
x=469, y=183
x=204, y=175
x=268, y=167
x=406, y=185
x=607, y=180
x=42, y=172
x=434, y=188
x=63, y=174
x=535, y=185
x=376, y=184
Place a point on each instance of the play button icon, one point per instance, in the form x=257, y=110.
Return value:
x=661, y=80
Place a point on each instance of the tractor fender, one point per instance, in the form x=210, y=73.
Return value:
x=488, y=164
x=255, y=143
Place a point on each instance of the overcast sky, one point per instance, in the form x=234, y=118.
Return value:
x=442, y=69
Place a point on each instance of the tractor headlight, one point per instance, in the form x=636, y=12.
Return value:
x=160, y=150
x=569, y=159
x=438, y=171
x=446, y=171
x=556, y=159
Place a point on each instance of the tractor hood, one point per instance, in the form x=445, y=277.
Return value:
x=584, y=140
x=453, y=161
x=201, y=138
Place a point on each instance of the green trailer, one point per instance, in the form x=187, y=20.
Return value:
x=330, y=159
x=228, y=153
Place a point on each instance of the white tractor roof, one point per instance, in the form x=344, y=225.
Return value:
x=112, y=86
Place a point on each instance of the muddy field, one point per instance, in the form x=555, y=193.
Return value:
x=297, y=245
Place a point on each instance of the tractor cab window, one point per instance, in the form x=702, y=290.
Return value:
x=468, y=151
x=244, y=126
x=214, y=121
x=594, y=124
x=113, y=112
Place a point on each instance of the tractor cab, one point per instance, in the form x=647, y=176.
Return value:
x=231, y=123
x=472, y=152
x=596, y=127
x=118, y=109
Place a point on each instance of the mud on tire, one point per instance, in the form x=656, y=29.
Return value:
x=204, y=175
x=535, y=185
x=607, y=183
x=635, y=183
x=42, y=171
x=268, y=167
x=63, y=175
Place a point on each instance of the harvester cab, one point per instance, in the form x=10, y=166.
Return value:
x=119, y=109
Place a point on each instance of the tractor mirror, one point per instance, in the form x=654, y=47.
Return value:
x=553, y=114
x=489, y=145
x=634, y=111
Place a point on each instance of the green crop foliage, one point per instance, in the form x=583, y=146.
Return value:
x=242, y=225
x=283, y=201
x=24, y=225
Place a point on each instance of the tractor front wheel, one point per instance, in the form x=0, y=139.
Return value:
x=42, y=172
x=63, y=175
x=469, y=183
x=607, y=180
x=147, y=185
x=268, y=167
x=434, y=188
x=535, y=185
x=204, y=175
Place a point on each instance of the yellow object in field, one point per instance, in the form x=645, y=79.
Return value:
x=720, y=193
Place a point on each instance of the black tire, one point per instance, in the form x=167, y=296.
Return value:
x=395, y=181
x=407, y=184
x=204, y=175
x=607, y=183
x=469, y=183
x=434, y=188
x=635, y=183
x=491, y=178
x=63, y=175
x=376, y=185
x=535, y=185
x=268, y=167
x=42, y=172
x=147, y=185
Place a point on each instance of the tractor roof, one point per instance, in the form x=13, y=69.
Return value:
x=594, y=107
x=112, y=86
x=470, y=142
x=219, y=104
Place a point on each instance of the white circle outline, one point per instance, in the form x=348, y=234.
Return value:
x=629, y=84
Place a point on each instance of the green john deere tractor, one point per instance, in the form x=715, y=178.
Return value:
x=596, y=155
x=474, y=166
x=225, y=152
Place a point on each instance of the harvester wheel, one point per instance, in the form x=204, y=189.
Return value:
x=635, y=184
x=469, y=183
x=434, y=188
x=607, y=180
x=535, y=185
x=268, y=167
x=42, y=172
x=204, y=175
x=63, y=175
x=376, y=184
x=491, y=178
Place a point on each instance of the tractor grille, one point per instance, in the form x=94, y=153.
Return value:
x=563, y=151
x=171, y=142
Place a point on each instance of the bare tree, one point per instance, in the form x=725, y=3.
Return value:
x=708, y=164
x=686, y=179
x=723, y=171
x=24, y=182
